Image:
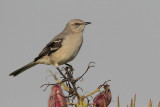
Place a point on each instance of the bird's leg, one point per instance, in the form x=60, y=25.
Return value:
x=61, y=72
x=70, y=67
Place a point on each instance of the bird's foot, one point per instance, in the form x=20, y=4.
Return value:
x=70, y=67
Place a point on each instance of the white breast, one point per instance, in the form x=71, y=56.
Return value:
x=70, y=48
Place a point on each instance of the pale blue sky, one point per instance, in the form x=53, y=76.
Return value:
x=123, y=40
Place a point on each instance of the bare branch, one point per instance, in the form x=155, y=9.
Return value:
x=80, y=88
x=69, y=84
x=89, y=66
x=52, y=84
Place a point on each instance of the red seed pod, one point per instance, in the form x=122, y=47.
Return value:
x=56, y=98
x=103, y=99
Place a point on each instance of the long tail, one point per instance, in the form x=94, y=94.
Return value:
x=22, y=69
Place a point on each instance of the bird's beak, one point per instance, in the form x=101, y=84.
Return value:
x=86, y=23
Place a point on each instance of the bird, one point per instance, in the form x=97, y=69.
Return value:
x=62, y=49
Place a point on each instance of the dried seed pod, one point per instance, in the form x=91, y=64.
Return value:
x=103, y=99
x=56, y=98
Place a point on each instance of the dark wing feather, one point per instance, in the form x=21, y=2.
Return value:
x=51, y=47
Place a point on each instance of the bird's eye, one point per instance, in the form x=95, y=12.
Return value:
x=77, y=23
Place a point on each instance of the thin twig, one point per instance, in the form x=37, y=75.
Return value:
x=89, y=66
x=80, y=88
x=48, y=85
x=52, y=84
x=61, y=73
x=66, y=96
x=104, y=84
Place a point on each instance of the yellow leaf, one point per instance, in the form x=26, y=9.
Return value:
x=150, y=103
x=118, y=102
x=134, y=101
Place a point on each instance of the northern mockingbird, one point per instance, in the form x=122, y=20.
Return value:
x=62, y=49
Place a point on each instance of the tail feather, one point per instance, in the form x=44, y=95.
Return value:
x=22, y=69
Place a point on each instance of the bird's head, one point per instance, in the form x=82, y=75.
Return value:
x=77, y=25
